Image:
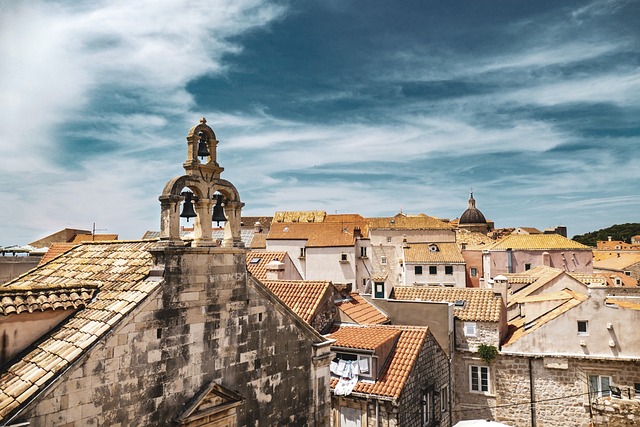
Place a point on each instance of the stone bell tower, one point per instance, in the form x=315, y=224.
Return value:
x=202, y=179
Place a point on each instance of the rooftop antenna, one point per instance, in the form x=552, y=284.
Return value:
x=93, y=231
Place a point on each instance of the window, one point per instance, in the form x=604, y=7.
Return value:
x=383, y=260
x=363, y=252
x=627, y=273
x=379, y=290
x=433, y=269
x=479, y=379
x=636, y=389
x=388, y=239
x=427, y=407
x=350, y=417
x=582, y=327
x=343, y=257
x=303, y=252
x=470, y=329
x=473, y=272
x=433, y=248
x=448, y=269
x=527, y=266
x=255, y=260
x=444, y=398
x=599, y=386
x=418, y=269
x=363, y=362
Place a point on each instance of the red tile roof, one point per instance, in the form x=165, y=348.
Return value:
x=317, y=234
x=79, y=238
x=361, y=311
x=392, y=380
x=301, y=296
x=257, y=262
x=56, y=249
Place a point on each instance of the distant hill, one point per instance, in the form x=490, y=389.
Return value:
x=622, y=232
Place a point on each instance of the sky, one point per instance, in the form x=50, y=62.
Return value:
x=370, y=107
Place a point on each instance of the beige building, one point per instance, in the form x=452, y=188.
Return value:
x=161, y=332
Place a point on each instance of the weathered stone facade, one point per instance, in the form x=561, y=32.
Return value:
x=612, y=412
x=208, y=323
x=560, y=389
x=485, y=333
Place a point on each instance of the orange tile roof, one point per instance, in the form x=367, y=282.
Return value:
x=481, y=305
x=361, y=311
x=517, y=327
x=619, y=262
x=364, y=338
x=537, y=242
x=409, y=222
x=54, y=250
x=422, y=253
x=259, y=241
x=16, y=302
x=622, y=303
x=301, y=296
x=323, y=234
x=79, y=238
x=119, y=269
x=257, y=262
x=392, y=380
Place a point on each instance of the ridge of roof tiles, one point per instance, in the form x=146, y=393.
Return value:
x=518, y=328
x=361, y=310
x=409, y=222
x=393, y=378
x=422, y=253
x=79, y=238
x=119, y=269
x=259, y=269
x=318, y=234
x=536, y=242
x=301, y=296
x=481, y=305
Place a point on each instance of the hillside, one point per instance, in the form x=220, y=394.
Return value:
x=622, y=232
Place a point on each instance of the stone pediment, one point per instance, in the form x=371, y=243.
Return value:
x=215, y=406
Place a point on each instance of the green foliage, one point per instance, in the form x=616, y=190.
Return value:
x=487, y=352
x=622, y=232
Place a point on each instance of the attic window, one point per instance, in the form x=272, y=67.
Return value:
x=358, y=364
x=460, y=303
x=433, y=248
x=255, y=260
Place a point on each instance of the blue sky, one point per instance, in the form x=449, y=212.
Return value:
x=367, y=107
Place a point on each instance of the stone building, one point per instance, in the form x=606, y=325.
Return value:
x=161, y=332
x=473, y=220
x=389, y=376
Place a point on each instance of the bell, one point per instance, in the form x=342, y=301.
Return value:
x=218, y=210
x=187, y=207
x=203, y=151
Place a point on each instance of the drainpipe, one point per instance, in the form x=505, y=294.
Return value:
x=377, y=412
x=509, y=260
x=531, y=395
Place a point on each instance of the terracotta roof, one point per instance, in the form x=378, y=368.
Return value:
x=361, y=311
x=392, y=380
x=16, y=302
x=346, y=218
x=301, y=296
x=632, y=304
x=79, y=238
x=409, y=222
x=537, y=242
x=535, y=279
x=589, y=278
x=620, y=262
x=257, y=262
x=119, y=270
x=259, y=241
x=422, y=253
x=56, y=249
x=517, y=327
x=472, y=239
x=299, y=216
x=323, y=234
x=480, y=305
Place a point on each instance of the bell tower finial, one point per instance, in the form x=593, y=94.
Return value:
x=203, y=121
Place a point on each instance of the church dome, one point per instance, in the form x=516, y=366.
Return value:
x=472, y=215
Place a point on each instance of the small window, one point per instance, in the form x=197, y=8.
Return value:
x=378, y=290
x=583, y=327
x=527, y=266
x=363, y=252
x=388, y=239
x=427, y=407
x=383, y=260
x=433, y=269
x=343, y=257
x=444, y=398
x=418, y=269
x=599, y=385
x=255, y=260
x=636, y=389
x=470, y=329
x=473, y=272
x=448, y=269
x=479, y=379
x=433, y=248
x=303, y=252
x=350, y=417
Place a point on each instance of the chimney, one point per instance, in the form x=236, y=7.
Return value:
x=257, y=227
x=609, y=238
x=275, y=270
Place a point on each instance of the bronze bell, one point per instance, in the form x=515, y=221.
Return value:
x=218, y=210
x=187, y=206
x=203, y=151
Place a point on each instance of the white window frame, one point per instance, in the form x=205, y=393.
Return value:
x=483, y=374
x=470, y=329
x=600, y=391
x=427, y=407
x=303, y=252
x=448, y=268
x=473, y=272
x=444, y=398
x=383, y=260
x=586, y=327
x=388, y=239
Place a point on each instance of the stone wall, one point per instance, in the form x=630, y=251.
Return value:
x=206, y=324
x=560, y=391
x=612, y=412
x=486, y=333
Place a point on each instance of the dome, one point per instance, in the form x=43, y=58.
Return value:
x=472, y=215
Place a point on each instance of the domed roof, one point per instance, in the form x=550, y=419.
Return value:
x=472, y=215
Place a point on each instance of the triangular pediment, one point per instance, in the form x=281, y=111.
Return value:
x=213, y=402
